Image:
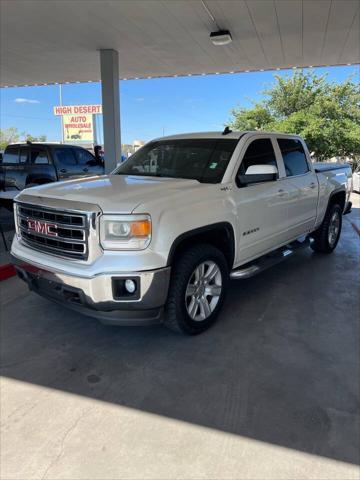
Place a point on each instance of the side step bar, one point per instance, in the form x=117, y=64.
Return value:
x=269, y=260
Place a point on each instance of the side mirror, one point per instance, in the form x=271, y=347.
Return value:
x=258, y=174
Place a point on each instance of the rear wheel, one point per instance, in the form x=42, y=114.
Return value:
x=327, y=236
x=197, y=290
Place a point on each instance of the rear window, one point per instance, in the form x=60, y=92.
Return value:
x=39, y=156
x=11, y=155
x=294, y=156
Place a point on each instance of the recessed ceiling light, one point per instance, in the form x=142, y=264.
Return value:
x=221, y=37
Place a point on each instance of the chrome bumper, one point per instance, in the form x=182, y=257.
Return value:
x=96, y=297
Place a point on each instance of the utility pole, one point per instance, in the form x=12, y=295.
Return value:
x=62, y=120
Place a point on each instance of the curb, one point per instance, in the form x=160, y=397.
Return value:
x=7, y=271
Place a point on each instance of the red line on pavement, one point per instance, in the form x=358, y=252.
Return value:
x=7, y=271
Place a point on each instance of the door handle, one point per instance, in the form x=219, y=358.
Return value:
x=85, y=170
x=63, y=170
x=312, y=185
x=282, y=193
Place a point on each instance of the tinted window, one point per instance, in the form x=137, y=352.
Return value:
x=294, y=157
x=24, y=154
x=11, y=155
x=39, y=156
x=65, y=157
x=203, y=160
x=259, y=152
x=84, y=157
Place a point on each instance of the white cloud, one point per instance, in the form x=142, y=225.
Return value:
x=140, y=99
x=25, y=100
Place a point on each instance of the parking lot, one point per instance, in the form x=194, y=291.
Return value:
x=271, y=391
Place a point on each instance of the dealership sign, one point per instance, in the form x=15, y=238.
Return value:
x=78, y=128
x=78, y=110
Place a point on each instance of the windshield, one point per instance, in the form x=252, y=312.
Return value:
x=204, y=160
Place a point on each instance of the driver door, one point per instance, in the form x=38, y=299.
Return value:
x=262, y=208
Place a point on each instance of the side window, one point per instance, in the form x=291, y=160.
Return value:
x=24, y=155
x=64, y=157
x=294, y=156
x=84, y=158
x=11, y=155
x=39, y=156
x=259, y=152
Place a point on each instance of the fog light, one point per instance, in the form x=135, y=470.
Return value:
x=130, y=285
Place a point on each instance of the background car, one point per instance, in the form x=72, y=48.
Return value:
x=356, y=180
x=27, y=164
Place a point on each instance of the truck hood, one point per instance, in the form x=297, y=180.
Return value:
x=113, y=193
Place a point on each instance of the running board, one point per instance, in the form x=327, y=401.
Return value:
x=269, y=260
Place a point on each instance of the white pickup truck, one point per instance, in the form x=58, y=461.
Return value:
x=159, y=239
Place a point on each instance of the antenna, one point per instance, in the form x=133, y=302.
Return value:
x=226, y=130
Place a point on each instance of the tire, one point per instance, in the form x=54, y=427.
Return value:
x=198, y=270
x=327, y=236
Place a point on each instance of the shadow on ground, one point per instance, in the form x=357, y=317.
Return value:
x=280, y=366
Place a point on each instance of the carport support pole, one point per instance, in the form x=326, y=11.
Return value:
x=109, y=66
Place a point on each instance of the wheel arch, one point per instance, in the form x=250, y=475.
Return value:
x=221, y=235
x=338, y=196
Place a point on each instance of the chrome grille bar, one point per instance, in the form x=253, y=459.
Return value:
x=54, y=231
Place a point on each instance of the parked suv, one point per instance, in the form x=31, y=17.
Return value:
x=27, y=164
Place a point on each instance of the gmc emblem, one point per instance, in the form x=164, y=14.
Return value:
x=43, y=227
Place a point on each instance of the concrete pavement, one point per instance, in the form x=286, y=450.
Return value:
x=270, y=392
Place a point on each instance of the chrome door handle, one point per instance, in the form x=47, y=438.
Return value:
x=281, y=193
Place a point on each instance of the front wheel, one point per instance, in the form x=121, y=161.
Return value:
x=327, y=236
x=197, y=290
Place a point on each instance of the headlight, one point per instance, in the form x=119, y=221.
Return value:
x=125, y=232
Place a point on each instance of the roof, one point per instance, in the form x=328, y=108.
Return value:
x=43, y=144
x=200, y=135
x=49, y=42
x=219, y=135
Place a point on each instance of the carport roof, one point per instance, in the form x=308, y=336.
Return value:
x=57, y=41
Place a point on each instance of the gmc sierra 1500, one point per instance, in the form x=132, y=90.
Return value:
x=159, y=238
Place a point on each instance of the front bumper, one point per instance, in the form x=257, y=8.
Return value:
x=95, y=296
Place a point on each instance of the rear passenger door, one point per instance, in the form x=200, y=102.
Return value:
x=87, y=163
x=301, y=184
x=40, y=169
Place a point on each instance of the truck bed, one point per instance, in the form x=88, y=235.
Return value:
x=321, y=167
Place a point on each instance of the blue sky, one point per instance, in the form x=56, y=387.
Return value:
x=148, y=107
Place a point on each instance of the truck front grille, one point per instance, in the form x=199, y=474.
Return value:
x=57, y=232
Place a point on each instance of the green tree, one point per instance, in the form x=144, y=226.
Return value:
x=12, y=135
x=8, y=135
x=325, y=114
